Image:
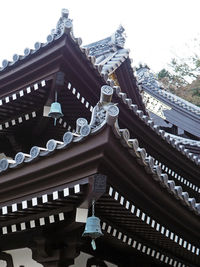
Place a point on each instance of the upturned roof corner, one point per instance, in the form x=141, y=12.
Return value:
x=110, y=44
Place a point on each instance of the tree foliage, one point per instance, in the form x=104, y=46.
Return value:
x=183, y=78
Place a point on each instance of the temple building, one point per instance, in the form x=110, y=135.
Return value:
x=99, y=165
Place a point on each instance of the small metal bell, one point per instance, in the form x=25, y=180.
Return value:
x=55, y=111
x=93, y=228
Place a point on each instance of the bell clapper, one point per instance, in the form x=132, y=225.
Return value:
x=93, y=244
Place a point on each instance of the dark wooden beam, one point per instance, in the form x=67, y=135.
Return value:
x=69, y=165
x=128, y=83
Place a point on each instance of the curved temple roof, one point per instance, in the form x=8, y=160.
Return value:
x=110, y=52
x=141, y=169
x=83, y=130
x=111, y=45
x=109, y=120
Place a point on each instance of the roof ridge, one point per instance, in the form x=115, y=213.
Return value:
x=180, y=139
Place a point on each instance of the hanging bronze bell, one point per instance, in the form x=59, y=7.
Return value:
x=55, y=111
x=93, y=229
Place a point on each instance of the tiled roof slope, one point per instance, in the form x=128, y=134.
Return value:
x=147, y=120
x=184, y=141
x=146, y=78
x=112, y=57
x=105, y=56
x=65, y=26
x=178, y=111
x=109, y=52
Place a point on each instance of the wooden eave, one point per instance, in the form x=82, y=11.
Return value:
x=37, y=66
x=100, y=153
x=62, y=54
x=132, y=180
x=81, y=160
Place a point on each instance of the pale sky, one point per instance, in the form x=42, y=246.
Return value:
x=155, y=29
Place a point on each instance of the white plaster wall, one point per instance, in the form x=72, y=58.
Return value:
x=82, y=260
x=2, y=263
x=23, y=257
